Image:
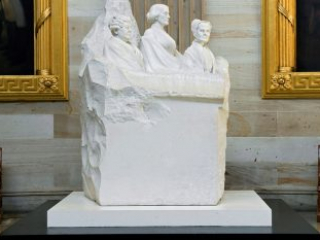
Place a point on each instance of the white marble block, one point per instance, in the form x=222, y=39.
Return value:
x=237, y=208
x=174, y=162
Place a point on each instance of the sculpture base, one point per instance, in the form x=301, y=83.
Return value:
x=237, y=208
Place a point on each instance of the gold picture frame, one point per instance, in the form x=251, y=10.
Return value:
x=50, y=79
x=279, y=52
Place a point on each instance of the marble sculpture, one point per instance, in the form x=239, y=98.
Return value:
x=154, y=121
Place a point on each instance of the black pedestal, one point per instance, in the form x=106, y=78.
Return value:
x=285, y=221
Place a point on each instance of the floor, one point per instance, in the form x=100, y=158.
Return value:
x=9, y=220
x=311, y=217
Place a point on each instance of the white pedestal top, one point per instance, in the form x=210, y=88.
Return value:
x=237, y=208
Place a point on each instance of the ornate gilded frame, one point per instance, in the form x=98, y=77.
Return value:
x=280, y=79
x=50, y=79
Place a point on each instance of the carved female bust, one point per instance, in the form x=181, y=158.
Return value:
x=157, y=46
x=119, y=48
x=198, y=56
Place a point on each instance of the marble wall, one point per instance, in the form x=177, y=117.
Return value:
x=272, y=144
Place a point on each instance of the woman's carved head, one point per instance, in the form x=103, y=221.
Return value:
x=159, y=13
x=201, y=30
x=121, y=27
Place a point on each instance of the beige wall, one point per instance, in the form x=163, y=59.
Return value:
x=272, y=144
